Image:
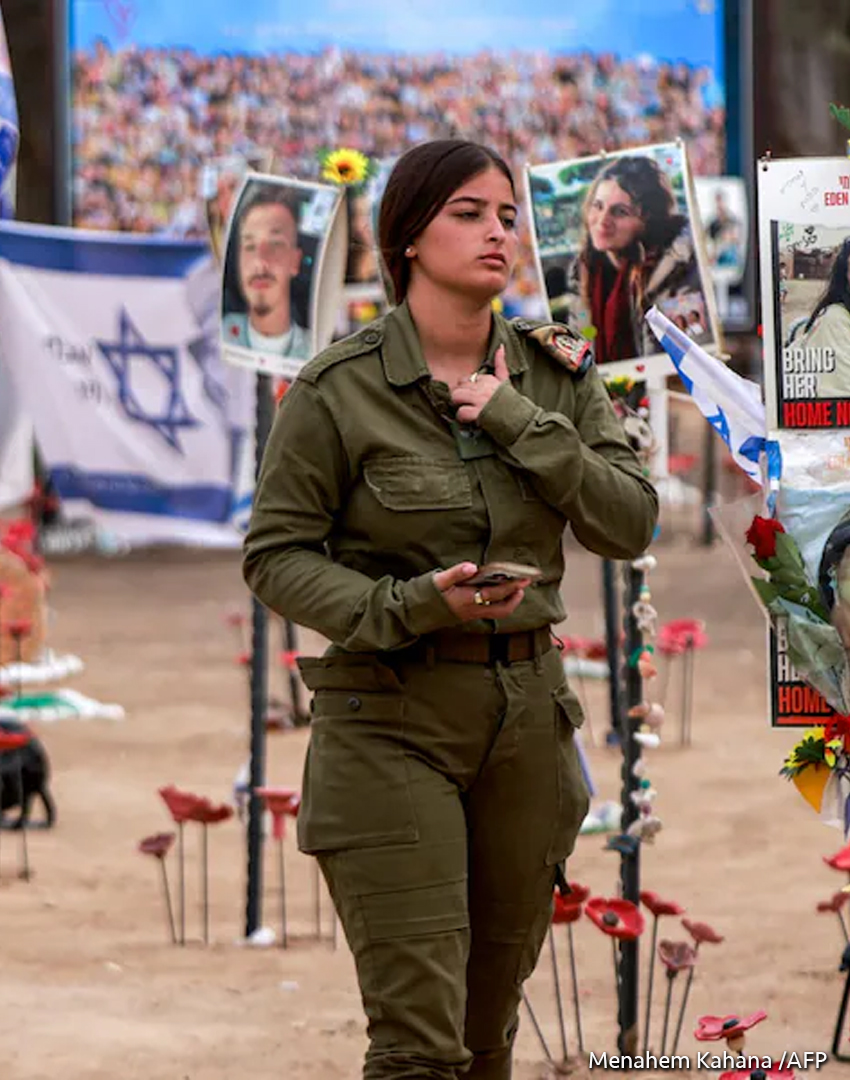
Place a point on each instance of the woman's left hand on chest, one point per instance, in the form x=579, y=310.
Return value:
x=473, y=393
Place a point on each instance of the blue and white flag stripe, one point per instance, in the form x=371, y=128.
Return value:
x=731, y=404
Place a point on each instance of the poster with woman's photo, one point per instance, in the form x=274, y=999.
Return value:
x=811, y=279
x=804, y=254
x=284, y=266
x=615, y=235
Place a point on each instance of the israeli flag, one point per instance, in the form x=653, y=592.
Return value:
x=111, y=343
x=731, y=404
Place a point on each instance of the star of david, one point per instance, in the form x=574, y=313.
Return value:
x=128, y=352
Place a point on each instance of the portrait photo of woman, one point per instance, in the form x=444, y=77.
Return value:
x=816, y=312
x=615, y=238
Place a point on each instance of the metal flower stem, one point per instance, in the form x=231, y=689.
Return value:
x=843, y=927
x=558, y=1000
x=168, y=909
x=537, y=1028
x=685, y=999
x=281, y=870
x=649, y=983
x=667, y=1004
x=205, y=883
x=181, y=854
x=576, y=1005
x=687, y=691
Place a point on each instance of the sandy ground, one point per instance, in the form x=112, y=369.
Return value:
x=91, y=988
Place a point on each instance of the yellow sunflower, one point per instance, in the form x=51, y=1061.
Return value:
x=345, y=167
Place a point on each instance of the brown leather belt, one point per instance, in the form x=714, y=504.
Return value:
x=487, y=649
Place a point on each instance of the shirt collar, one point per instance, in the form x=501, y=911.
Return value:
x=402, y=357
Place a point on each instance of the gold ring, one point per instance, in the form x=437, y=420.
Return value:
x=474, y=376
x=478, y=598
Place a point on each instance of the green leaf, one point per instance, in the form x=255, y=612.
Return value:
x=840, y=113
x=767, y=592
x=787, y=551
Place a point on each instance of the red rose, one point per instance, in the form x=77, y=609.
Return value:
x=762, y=535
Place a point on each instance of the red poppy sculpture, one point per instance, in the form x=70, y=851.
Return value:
x=701, y=934
x=658, y=908
x=620, y=919
x=567, y=910
x=676, y=956
x=159, y=846
x=186, y=806
x=682, y=637
x=834, y=906
x=281, y=803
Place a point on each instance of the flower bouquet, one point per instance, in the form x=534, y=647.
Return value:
x=819, y=767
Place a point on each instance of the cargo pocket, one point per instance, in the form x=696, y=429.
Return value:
x=355, y=792
x=573, y=798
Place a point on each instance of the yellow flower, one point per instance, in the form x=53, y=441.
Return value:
x=345, y=167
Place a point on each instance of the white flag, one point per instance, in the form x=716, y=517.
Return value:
x=731, y=404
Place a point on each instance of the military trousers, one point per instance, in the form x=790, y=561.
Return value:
x=439, y=798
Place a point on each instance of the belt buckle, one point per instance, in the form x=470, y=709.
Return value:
x=499, y=650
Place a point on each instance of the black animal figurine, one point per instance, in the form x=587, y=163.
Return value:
x=25, y=774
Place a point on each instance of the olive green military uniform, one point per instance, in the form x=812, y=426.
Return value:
x=441, y=787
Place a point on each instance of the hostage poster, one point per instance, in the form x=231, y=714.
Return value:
x=793, y=702
x=804, y=230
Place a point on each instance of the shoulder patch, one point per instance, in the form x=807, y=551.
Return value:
x=560, y=342
x=364, y=341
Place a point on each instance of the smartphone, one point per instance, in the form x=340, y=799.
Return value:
x=497, y=573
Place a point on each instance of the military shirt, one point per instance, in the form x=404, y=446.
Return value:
x=368, y=485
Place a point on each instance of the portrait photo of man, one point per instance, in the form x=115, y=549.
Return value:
x=267, y=278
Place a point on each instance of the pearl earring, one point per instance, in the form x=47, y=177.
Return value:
x=409, y=252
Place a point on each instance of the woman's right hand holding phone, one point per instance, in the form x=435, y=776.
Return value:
x=469, y=602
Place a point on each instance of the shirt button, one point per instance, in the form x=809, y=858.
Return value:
x=355, y=704
x=372, y=338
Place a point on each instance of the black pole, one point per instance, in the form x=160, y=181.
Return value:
x=259, y=697
x=842, y=1009
x=612, y=645
x=630, y=857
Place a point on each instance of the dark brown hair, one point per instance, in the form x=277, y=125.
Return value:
x=421, y=182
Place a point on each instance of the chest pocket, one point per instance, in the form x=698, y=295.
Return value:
x=412, y=483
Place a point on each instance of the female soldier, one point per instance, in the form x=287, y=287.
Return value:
x=441, y=787
x=637, y=250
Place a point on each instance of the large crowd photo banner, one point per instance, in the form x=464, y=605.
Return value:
x=111, y=344
x=804, y=247
x=161, y=92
